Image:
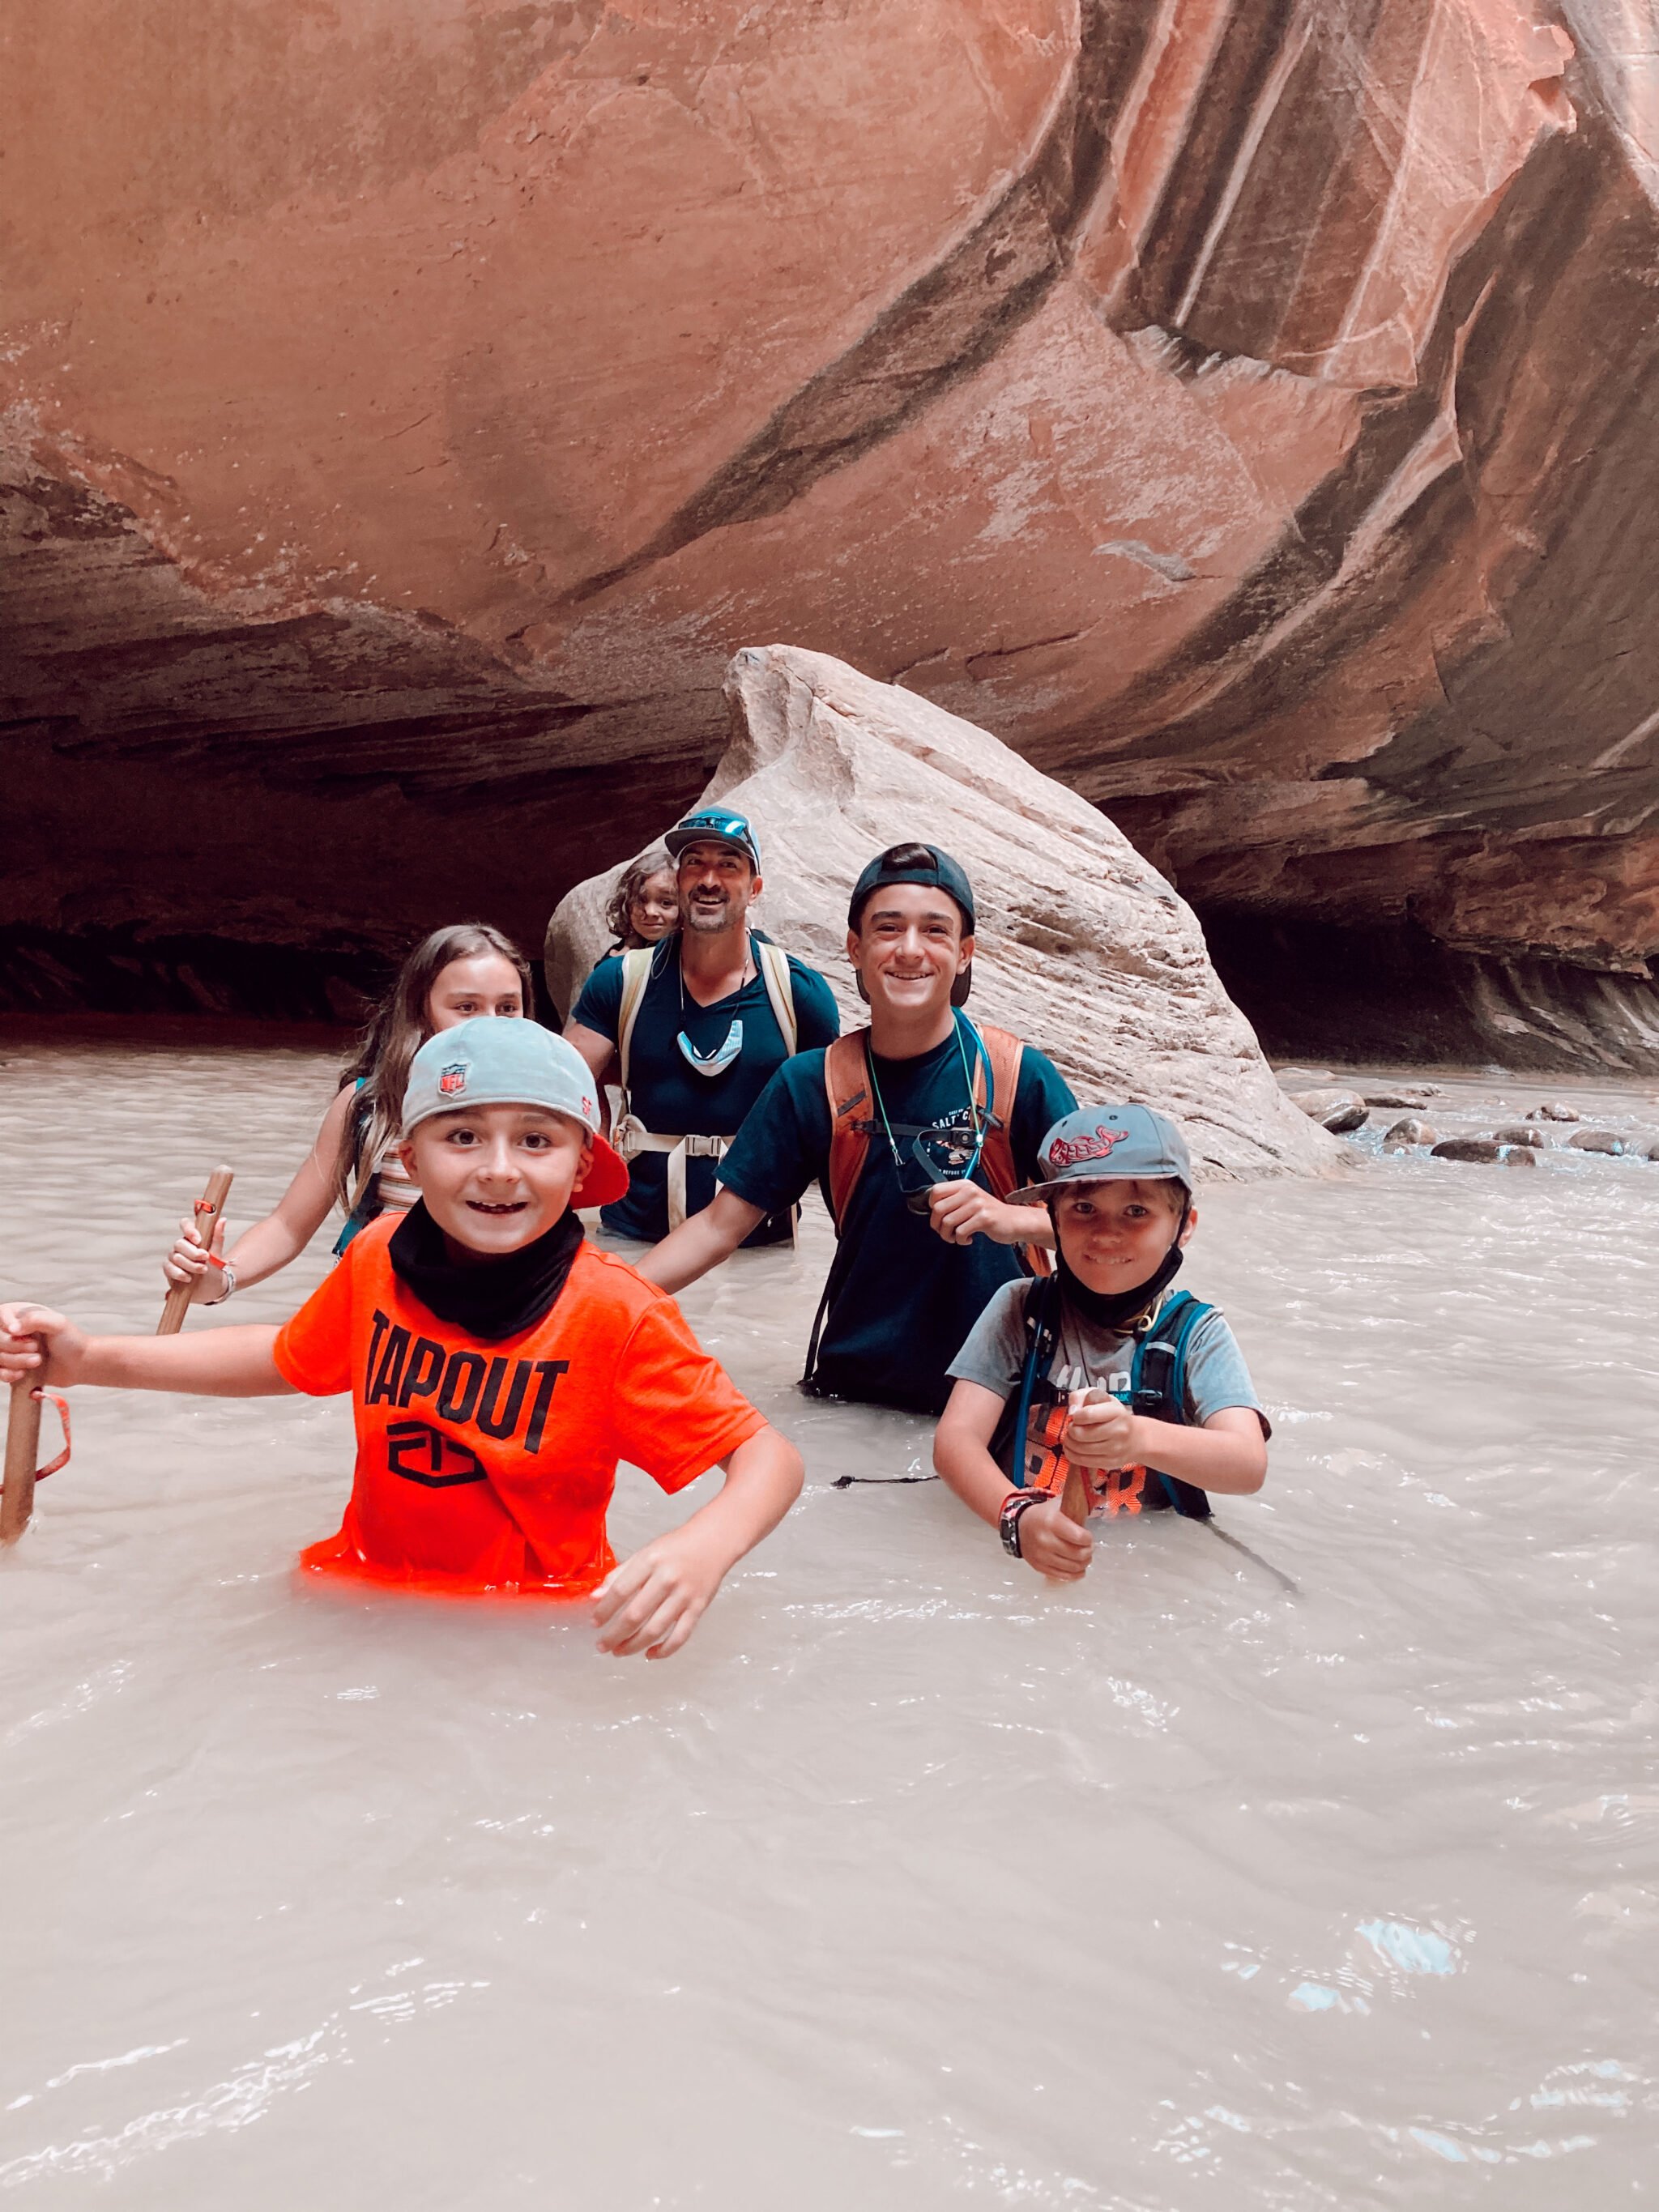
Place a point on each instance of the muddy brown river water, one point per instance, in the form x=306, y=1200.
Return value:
x=913, y=1882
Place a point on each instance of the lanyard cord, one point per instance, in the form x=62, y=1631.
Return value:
x=976, y=1117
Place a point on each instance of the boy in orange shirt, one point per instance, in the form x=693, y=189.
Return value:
x=499, y=1366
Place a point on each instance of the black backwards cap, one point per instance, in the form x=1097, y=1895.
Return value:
x=918, y=864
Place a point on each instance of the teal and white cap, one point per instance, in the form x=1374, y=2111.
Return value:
x=493, y=1061
x=1109, y=1143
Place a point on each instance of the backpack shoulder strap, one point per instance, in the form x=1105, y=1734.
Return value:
x=636, y=974
x=846, y=1087
x=1002, y=1052
x=1158, y=1386
x=773, y=964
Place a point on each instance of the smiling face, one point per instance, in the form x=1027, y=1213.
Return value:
x=494, y=1178
x=484, y=984
x=716, y=886
x=1114, y=1234
x=909, y=948
x=655, y=909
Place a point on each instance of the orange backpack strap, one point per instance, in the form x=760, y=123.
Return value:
x=1003, y=1050
x=846, y=1087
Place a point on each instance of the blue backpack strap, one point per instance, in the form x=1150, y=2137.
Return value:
x=1041, y=1319
x=1158, y=1387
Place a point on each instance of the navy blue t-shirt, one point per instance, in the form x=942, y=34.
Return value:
x=902, y=1301
x=667, y=1093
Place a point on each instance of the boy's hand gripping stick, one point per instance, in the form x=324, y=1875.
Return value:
x=1123, y=1485
x=22, y=1445
x=209, y=1207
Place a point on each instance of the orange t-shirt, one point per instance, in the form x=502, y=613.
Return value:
x=489, y=1466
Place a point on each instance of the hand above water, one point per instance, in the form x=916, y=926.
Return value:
x=1101, y=1432
x=653, y=1600
x=1053, y=1544
x=187, y=1259
x=38, y=1345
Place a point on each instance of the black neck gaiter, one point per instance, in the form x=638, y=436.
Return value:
x=1116, y=1308
x=492, y=1299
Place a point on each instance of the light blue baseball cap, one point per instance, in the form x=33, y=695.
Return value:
x=492, y=1061
x=1109, y=1143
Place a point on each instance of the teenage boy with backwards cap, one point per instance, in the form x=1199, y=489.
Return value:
x=913, y=1127
x=1101, y=1368
x=499, y=1366
x=693, y=1028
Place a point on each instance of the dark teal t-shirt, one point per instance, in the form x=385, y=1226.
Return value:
x=902, y=1301
x=667, y=1093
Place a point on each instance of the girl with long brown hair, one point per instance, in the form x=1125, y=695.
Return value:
x=456, y=973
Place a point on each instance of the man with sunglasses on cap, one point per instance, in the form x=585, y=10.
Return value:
x=914, y=1128
x=693, y=1028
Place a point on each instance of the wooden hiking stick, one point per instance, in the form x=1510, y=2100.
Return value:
x=22, y=1446
x=22, y=1449
x=209, y=1207
x=1075, y=1500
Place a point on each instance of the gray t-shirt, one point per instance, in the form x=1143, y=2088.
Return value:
x=994, y=1356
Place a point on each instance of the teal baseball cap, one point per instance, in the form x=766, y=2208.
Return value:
x=1109, y=1143
x=490, y=1061
x=718, y=825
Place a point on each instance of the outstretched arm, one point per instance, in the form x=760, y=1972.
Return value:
x=702, y=1240
x=38, y=1345
x=656, y=1597
x=267, y=1245
x=1228, y=1454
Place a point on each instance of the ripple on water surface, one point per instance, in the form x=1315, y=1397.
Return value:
x=911, y=1880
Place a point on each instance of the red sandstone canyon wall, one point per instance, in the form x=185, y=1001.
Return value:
x=1244, y=407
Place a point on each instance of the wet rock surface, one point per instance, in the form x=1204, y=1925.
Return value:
x=1484, y=1150
x=1404, y=1135
x=1081, y=947
x=1598, y=1140
x=1179, y=393
x=1339, y=1111
x=1519, y=1133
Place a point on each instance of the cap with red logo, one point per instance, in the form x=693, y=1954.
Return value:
x=495, y=1061
x=1101, y=1143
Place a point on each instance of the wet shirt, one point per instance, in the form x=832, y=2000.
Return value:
x=902, y=1300
x=668, y=1096
x=1086, y=1355
x=489, y=1466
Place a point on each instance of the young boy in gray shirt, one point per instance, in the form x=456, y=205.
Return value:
x=1098, y=1373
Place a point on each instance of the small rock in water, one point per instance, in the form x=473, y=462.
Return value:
x=1653, y=1151
x=1555, y=1111
x=1412, y=1131
x=1339, y=1111
x=1598, y=1140
x=1517, y=1133
x=1486, y=1150
x=1417, y=1094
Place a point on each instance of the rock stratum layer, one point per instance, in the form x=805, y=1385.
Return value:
x=1242, y=407
x=1080, y=946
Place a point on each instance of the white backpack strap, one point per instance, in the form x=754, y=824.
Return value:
x=636, y=974
x=773, y=964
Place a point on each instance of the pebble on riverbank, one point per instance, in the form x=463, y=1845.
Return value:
x=1485, y=1151
x=1339, y=1111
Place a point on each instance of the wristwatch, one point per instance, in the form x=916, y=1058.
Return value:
x=1008, y=1520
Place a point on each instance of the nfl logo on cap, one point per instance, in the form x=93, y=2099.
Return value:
x=452, y=1077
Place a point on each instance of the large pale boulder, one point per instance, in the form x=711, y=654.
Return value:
x=1083, y=947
